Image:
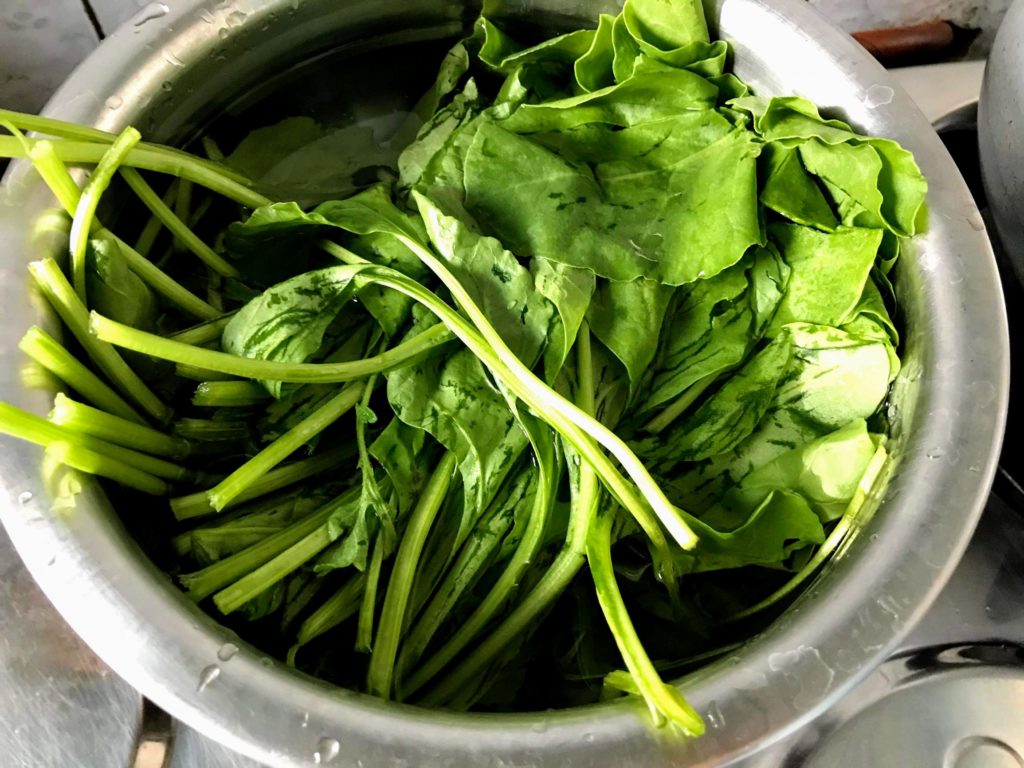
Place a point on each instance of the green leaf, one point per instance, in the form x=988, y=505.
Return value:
x=637, y=221
x=716, y=324
x=593, y=70
x=790, y=190
x=497, y=282
x=825, y=472
x=627, y=318
x=287, y=323
x=644, y=97
x=730, y=414
x=114, y=290
x=829, y=272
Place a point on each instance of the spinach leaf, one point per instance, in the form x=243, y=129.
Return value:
x=114, y=290
x=287, y=323
x=829, y=272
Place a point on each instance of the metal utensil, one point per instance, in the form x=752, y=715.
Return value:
x=948, y=409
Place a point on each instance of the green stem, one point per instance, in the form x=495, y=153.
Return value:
x=56, y=176
x=175, y=225
x=66, y=130
x=33, y=429
x=204, y=333
x=72, y=311
x=665, y=702
x=182, y=210
x=218, y=576
x=84, y=460
x=45, y=350
x=679, y=406
x=198, y=504
x=150, y=232
x=368, y=607
x=230, y=599
x=340, y=607
x=380, y=676
x=284, y=446
x=198, y=373
x=299, y=373
x=149, y=158
x=114, y=429
x=208, y=430
x=35, y=376
x=85, y=212
x=229, y=394
x=586, y=496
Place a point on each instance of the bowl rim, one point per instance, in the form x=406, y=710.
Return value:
x=145, y=629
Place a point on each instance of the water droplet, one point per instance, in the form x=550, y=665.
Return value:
x=207, y=676
x=227, y=652
x=540, y=727
x=878, y=95
x=25, y=497
x=206, y=16
x=266, y=661
x=715, y=717
x=305, y=720
x=588, y=738
x=114, y=102
x=935, y=453
x=295, y=5
x=173, y=60
x=236, y=19
x=326, y=750
x=223, y=33
x=167, y=86
x=151, y=12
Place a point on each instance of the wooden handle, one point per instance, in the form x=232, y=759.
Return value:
x=903, y=44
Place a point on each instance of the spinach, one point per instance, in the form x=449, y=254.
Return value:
x=611, y=309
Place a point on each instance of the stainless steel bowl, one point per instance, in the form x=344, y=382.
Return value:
x=948, y=410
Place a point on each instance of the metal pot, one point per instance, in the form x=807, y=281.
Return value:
x=948, y=409
x=1001, y=134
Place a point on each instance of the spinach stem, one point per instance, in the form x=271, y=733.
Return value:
x=585, y=500
x=229, y=394
x=66, y=130
x=216, y=577
x=284, y=446
x=149, y=158
x=47, y=351
x=56, y=176
x=204, y=333
x=92, y=421
x=680, y=404
x=151, y=231
x=231, y=598
x=339, y=607
x=368, y=606
x=183, y=211
x=175, y=225
x=34, y=429
x=93, y=463
x=380, y=676
x=665, y=702
x=208, y=430
x=301, y=373
x=72, y=311
x=85, y=212
x=198, y=504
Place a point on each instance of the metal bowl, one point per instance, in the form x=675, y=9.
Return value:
x=168, y=71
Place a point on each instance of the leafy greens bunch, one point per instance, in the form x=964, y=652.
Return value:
x=612, y=313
